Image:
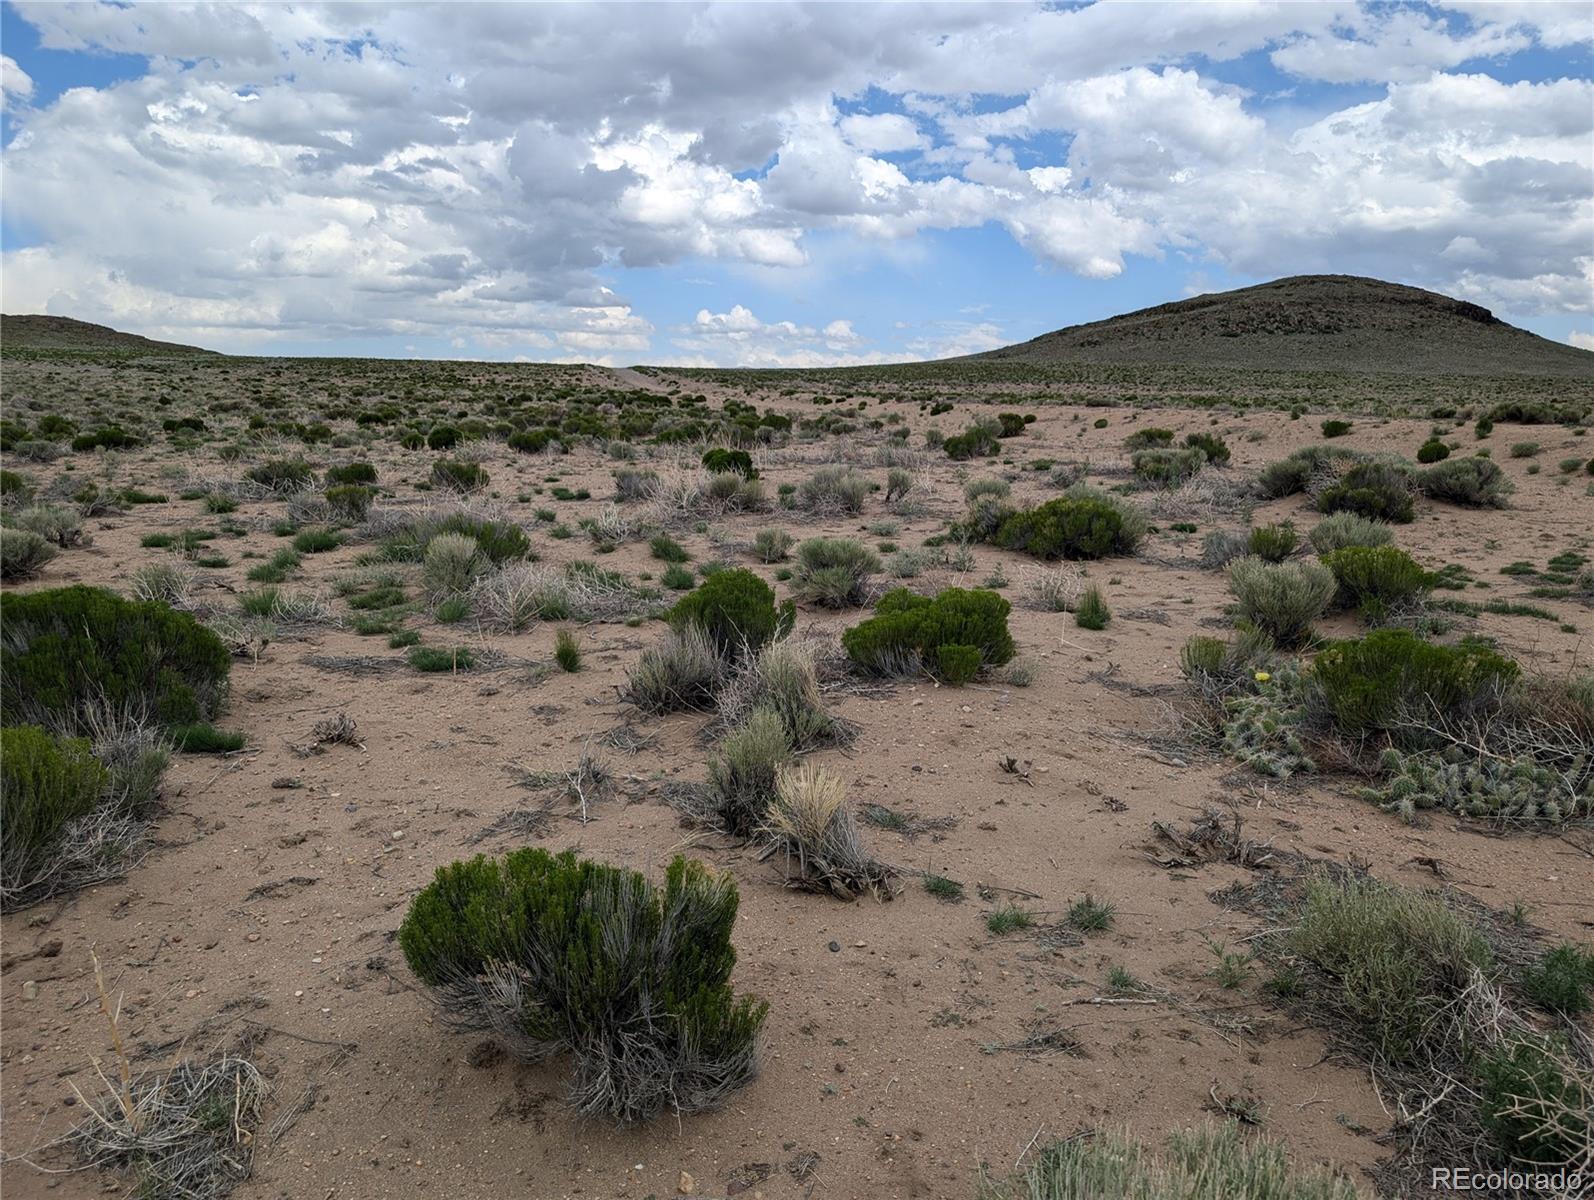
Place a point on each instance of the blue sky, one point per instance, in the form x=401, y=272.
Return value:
x=771, y=185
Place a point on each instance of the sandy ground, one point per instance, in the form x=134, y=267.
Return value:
x=883, y=1076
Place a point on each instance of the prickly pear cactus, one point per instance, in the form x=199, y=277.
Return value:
x=1261, y=730
x=1520, y=790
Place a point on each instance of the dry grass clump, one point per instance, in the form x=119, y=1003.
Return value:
x=171, y=583
x=452, y=563
x=517, y=594
x=833, y=489
x=1052, y=589
x=783, y=678
x=808, y=819
x=683, y=670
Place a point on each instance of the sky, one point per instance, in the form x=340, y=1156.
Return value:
x=776, y=185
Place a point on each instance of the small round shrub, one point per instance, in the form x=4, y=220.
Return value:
x=907, y=630
x=1334, y=428
x=1561, y=980
x=532, y=441
x=956, y=664
x=1167, y=467
x=350, y=473
x=632, y=979
x=1375, y=580
x=452, y=564
x=833, y=572
x=741, y=781
x=350, y=502
x=1210, y=444
x=721, y=461
x=282, y=475
x=71, y=653
x=443, y=437
x=14, y=486
x=1082, y=524
x=1470, y=482
x=45, y=783
x=1273, y=543
x=1149, y=438
x=1377, y=490
x=567, y=651
x=1281, y=599
x=1291, y=475
x=459, y=475
x=834, y=489
x=735, y=609
x=1091, y=611
x=316, y=541
x=772, y=545
x=23, y=554
x=1347, y=529
x=1432, y=451
x=1391, y=681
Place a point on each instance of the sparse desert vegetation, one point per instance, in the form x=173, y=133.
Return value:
x=746, y=755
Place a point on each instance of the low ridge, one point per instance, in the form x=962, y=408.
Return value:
x=37, y=332
x=1311, y=322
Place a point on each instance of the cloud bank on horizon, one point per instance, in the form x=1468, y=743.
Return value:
x=772, y=185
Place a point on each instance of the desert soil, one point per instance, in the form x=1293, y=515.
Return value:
x=884, y=1075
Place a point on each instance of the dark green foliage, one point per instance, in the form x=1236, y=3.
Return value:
x=459, y=475
x=1071, y=527
x=350, y=502
x=276, y=568
x=666, y=549
x=1484, y=427
x=907, y=632
x=1333, y=428
x=957, y=664
x=1210, y=444
x=1377, y=490
x=501, y=541
x=282, y=474
x=201, y=737
x=1167, y=467
x=1432, y=451
x=943, y=888
x=735, y=609
x=1273, y=543
x=720, y=461
x=1535, y=1110
x=1011, y=424
x=1374, y=580
x=1471, y=482
x=1390, y=677
x=677, y=578
x=403, y=638
x=1091, y=612
x=1150, y=438
x=66, y=652
x=110, y=437
x=15, y=486
x=316, y=541
x=567, y=651
x=44, y=784
x=442, y=437
x=1561, y=980
x=377, y=598
x=1291, y=475
x=833, y=572
x=532, y=441
x=349, y=474
x=435, y=658
x=978, y=441
x=631, y=978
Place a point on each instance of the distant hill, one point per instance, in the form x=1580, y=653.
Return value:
x=1314, y=323
x=65, y=335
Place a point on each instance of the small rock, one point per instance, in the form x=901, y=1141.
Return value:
x=30, y=988
x=835, y=947
x=687, y=1185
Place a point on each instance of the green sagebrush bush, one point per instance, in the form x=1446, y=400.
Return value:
x=1381, y=491
x=500, y=541
x=442, y=437
x=1281, y=599
x=47, y=783
x=1390, y=957
x=1562, y=980
x=1335, y=428
x=907, y=632
x=350, y=502
x=741, y=780
x=1470, y=482
x=459, y=475
x=1152, y=437
x=23, y=554
x=833, y=572
x=1376, y=580
x=532, y=441
x=735, y=609
x=1393, y=682
x=554, y=954
x=1520, y=790
x=719, y=461
x=1347, y=529
x=348, y=474
x=69, y=653
x=1082, y=523
x=1273, y=543
x=1295, y=473
x=282, y=475
x=1432, y=451
x=1210, y=444
x=1168, y=466
x=833, y=489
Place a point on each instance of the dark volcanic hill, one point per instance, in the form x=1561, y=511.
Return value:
x=63, y=334
x=1310, y=322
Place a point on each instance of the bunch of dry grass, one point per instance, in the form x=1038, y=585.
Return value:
x=171, y=583
x=683, y=671
x=809, y=821
x=784, y=677
x=1052, y=589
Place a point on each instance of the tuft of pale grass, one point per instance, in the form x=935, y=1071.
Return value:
x=809, y=820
